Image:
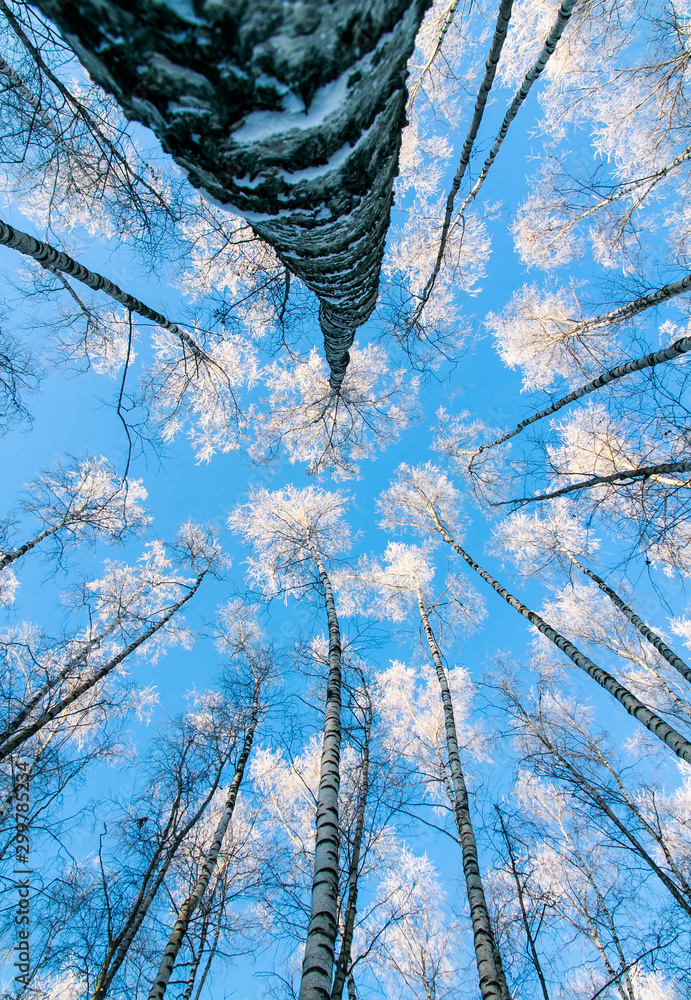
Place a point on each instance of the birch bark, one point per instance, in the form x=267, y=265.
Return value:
x=120, y=945
x=48, y=256
x=46, y=717
x=657, y=473
x=524, y=915
x=638, y=623
x=492, y=982
x=675, y=350
x=674, y=740
x=531, y=76
x=189, y=906
x=318, y=962
x=9, y=557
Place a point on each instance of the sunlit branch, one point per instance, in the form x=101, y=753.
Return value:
x=656, y=473
x=675, y=350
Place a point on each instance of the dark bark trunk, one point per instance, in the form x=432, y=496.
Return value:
x=290, y=114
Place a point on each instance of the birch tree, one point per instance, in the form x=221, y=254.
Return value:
x=400, y=582
x=77, y=501
x=294, y=534
x=559, y=538
x=132, y=609
x=424, y=499
x=240, y=638
x=141, y=845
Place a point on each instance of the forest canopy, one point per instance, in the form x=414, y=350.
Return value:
x=346, y=514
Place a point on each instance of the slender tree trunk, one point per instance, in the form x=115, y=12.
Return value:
x=652, y=637
x=47, y=717
x=189, y=906
x=631, y=309
x=446, y=24
x=212, y=955
x=146, y=896
x=592, y=793
x=524, y=915
x=675, y=350
x=498, y=40
x=492, y=983
x=189, y=985
x=48, y=256
x=318, y=962
x=649, y=472
x=23, y=714
x=674, y=740
x=528, y=81
x=9, y=557
x=343, y=963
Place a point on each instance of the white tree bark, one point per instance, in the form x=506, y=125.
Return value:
x=49, y=257
x=318, y=962
x=674, y=740
x=51, y=713
x=675, y=350
x=189, y=906
x=492, y=982
x=658, y=473
x=498, y=40
x=343, y=963
x=645, y=630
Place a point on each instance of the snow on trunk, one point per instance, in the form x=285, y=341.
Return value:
x=288, y=113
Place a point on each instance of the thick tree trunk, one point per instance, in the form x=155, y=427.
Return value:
x=318, y=962
x=46, y=717
x=189, y=906
x=288, y=113
x=492, y=983
x=674, y=740
x=647, y=633
x=343, y=963
x=675, y=350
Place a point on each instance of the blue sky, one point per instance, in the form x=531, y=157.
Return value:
x=76, y=415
